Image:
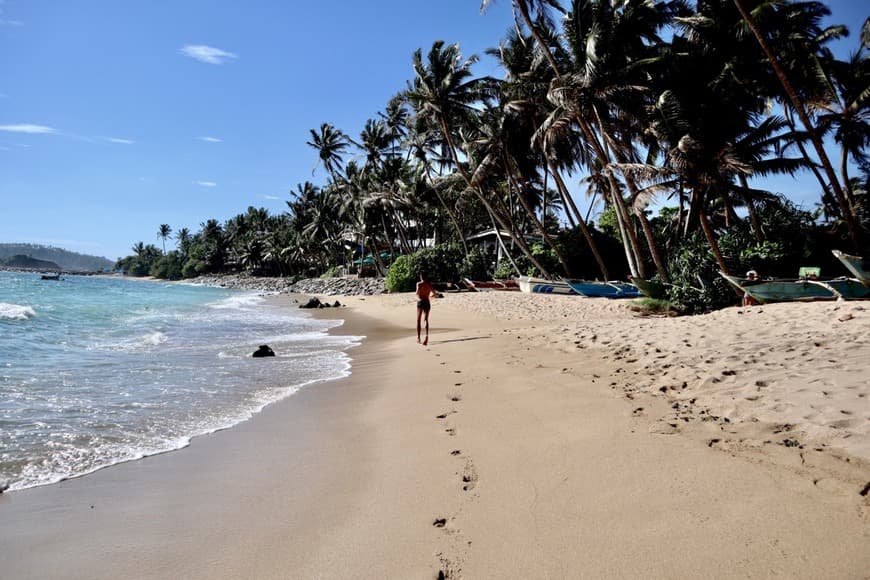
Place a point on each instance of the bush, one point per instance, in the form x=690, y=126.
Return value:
x=167, y=267
x=441, y=263
x=476, y=265
x=400, y=276
x=332, y=272
x=696, y=285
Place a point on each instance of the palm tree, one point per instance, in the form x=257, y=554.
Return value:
x=330, y=144
x=164, y=233
x=139, y=249
x=801, y=110
x=444, y=95
x=183, y=237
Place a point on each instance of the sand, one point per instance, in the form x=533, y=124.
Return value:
x=534, y=437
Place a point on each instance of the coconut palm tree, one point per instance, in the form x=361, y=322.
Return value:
x=444, y=95
x=799, y=105
x=331, y=144
x=164, y=233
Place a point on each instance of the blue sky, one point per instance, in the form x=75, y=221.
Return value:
x=117, y=116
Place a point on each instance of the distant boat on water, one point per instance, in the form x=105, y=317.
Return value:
x=51, y=277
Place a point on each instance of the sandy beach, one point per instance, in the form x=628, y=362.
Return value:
x=534, y=437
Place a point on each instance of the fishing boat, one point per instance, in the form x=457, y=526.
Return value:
x=855, y=264
x=51, y=277
x=478, y=285
x=595, y=289
x=542, y=286
x=799, y=290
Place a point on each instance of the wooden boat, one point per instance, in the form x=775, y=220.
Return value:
x=51, y=277
x=855, y=264
x=650, y=288
x=478, y=285
x=799, y=290
x=542, y=286
x=595, y=289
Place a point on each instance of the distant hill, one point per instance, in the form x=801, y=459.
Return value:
x=22, y=261
x=60, y=258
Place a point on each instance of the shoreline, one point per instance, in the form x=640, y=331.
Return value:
x=530, y=438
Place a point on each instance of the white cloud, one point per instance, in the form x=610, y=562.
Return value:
x=211, y=139
x=208, y=54
x=206, y=183
x=26, y=128
x=272, y=197
x=119, y=141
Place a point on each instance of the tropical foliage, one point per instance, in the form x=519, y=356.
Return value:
x=605, y=107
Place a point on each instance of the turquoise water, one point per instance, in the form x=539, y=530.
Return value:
x=95, y=371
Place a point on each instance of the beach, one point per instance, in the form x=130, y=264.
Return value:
x=534, y=436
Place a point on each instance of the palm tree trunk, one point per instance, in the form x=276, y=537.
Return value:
x=537, y=222
x=486, y=204
x=450, y=214
x=584, y=229
x=754, y=221
x=711, y=239
x=629, y=236
x=846, y=210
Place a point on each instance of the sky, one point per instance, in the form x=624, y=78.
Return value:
x=117, y=116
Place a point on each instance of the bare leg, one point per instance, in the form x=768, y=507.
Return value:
x=419, y=313
x=426, y=340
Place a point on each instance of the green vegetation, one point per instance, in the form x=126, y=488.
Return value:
x=679, y=106
x=62, y=259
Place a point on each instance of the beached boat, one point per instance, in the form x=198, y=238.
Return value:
x=799, y=290
x=542, y=286
x=855, y=264
x=478, y=285
x=595, y=289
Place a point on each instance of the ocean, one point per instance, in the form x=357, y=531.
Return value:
x=98, y=370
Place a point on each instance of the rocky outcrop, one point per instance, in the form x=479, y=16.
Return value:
x=264, y=350
x=339, y=286
x=342, y=286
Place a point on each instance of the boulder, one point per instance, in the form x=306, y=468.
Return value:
x=312, y=303
x=264, y=350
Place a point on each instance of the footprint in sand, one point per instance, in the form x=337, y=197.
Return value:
x=469, y=476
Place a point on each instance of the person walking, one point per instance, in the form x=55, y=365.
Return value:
x=424, y=292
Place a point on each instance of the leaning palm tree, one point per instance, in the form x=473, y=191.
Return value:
x=444, y=95
x=164, y=233
x=800, y=107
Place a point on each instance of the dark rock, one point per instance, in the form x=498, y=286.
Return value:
x=337, y=304
x=264, y=350
x=313, y=302
x=3, y=486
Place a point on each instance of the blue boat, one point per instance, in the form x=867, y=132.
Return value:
x=594, y=289
x=542, y=286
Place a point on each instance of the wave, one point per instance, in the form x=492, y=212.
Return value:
x=15, y=311
x=236, y=302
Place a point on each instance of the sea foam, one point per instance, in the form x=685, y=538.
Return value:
x=15, y=311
